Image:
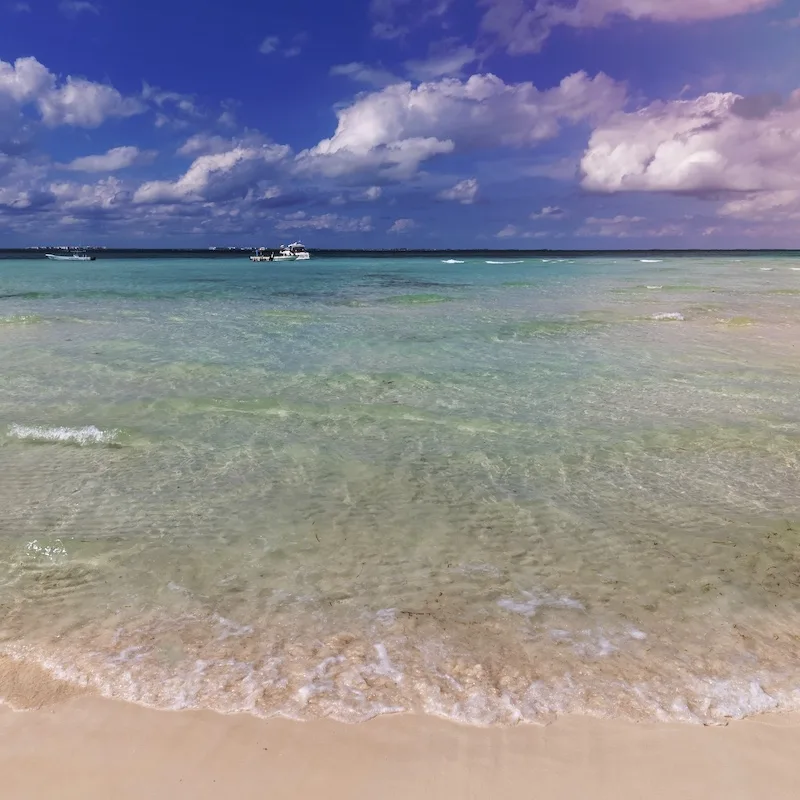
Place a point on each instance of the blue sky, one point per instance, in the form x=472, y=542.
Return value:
x=401, y=123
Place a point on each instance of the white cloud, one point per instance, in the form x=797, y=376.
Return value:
x=549, y=212
x=227, y=119
x=400, y=126
x=446, y=59
x=73, y=8
x=620, y=219
x=781, y=206
x=272, y=44
x=184, y=103
x=205, y=144
x=363, y=73
x=619, y=226
x=85, y=104
x=103, y=195
x=12, y=198
x=397, y=160
x=20, y=8
x=214, y=175
x=522, y=26
x=393, y=19
x=717, y=142
x=368, y=195
x=402, y=226
x=463, y=192
x=115, y=159
x=513, y=232
x=324, y=222
x=76, y=101
x=508, y=232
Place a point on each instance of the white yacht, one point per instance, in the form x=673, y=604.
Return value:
x=292, y=252
x=69, y=257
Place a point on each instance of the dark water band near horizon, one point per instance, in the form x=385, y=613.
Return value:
x=496, y=490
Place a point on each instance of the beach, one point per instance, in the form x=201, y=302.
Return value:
x=504, y=493
x=93, y=749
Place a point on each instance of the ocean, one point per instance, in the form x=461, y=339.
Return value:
x=495, y=490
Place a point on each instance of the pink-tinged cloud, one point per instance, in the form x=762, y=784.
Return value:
x=717, y=142
x=522, y=26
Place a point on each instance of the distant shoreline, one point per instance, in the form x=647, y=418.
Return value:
x=38, y=253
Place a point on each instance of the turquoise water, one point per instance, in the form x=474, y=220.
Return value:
x=492, y=492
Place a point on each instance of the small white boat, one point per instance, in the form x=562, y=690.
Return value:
x=69, y=257
x=292, y=252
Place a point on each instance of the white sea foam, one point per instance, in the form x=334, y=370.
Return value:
x=386, y=616
x=384, y=667
x=670, y=316
x=230, y=628
x=655, y=287
x=452, y=261
x=767, y=269
x=80, y=436
x=597, y=642
x=533, y=602
x=505, y=262
x=50, y=551
x=651, y=260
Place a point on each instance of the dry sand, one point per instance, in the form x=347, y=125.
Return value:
x=90, y=749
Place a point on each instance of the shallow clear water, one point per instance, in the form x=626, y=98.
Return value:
x=493, y=492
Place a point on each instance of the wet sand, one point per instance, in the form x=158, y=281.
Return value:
x=90, y=749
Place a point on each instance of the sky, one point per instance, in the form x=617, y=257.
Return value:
x=572, y=124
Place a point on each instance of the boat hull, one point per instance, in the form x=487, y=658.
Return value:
x=53, y=257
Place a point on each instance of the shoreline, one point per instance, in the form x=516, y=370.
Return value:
x=93, y=748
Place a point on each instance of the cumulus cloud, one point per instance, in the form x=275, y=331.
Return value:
x=522, y=26
x=463, y=192
x=101, y=196
x=215, y=175
x=363, y=73
x=717, y=142
x=397, y=128
x=76, y=101
x=393, y=160
x=324, y=222
x=402, y=226
x=115, y=159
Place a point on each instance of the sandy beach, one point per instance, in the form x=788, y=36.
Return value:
x=90, y=749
